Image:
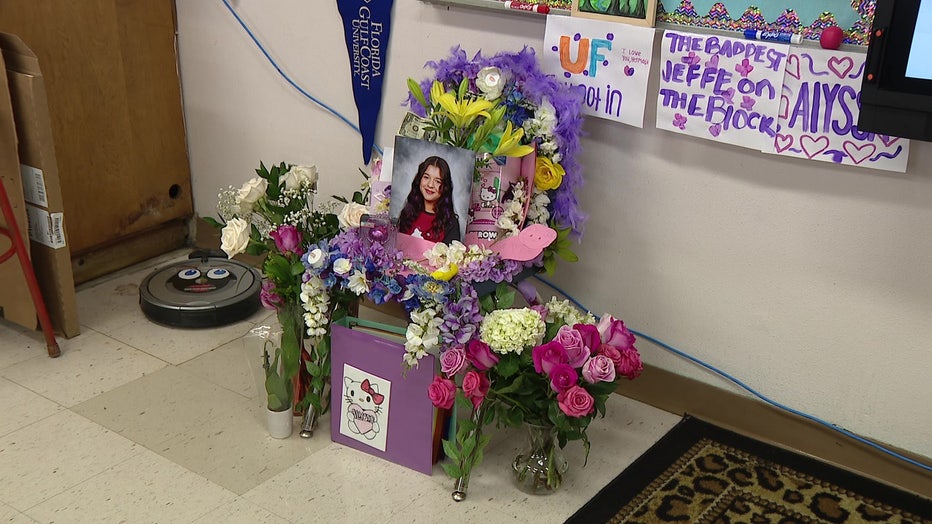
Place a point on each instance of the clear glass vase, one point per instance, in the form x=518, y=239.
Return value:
x=539, y=468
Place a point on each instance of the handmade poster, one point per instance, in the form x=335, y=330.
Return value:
x=376, y=407
x=721, y=89
x=819, y=113
x=493, y=189
x=366, y=28
x=611, y=62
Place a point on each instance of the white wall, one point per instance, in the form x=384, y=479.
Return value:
x=810, y=282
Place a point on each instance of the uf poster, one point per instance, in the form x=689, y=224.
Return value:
x=722, y=89
x=819, y=113
x=610, y=61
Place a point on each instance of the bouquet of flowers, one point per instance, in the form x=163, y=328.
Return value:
x=273, y=214
x=549, y=366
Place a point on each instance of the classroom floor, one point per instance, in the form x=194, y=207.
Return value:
x=137, y=422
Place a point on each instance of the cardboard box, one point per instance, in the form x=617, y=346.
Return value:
x=15, y=305
x=36, y=168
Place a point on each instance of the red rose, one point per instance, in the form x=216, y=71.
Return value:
x=576, y=402
x=475, y=387
x=442, y=392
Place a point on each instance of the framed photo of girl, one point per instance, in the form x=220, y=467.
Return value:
x=431, y=188
x=635, y=12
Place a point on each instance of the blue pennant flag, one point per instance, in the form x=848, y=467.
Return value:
x=366, y=25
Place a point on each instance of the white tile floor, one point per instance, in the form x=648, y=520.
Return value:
x=137, y=422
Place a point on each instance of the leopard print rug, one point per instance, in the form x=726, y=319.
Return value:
x=720, y=477
x=715, y=483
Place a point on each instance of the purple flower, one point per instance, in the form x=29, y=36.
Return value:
x=287, y=239
x=268, y=297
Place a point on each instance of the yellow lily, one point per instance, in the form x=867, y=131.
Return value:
x=510, y=144
x=446, y=273
x=462, y=112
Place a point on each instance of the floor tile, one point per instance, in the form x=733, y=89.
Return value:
x=145, y=488
x=21, y=407
x=55, y=454
x=161, y=406
x=241, y=511
x=18, y=344
x=177, y=345
x=234, y=450
x=232, y=366
x=340, y=484
x=9, y=515
x=90, y=364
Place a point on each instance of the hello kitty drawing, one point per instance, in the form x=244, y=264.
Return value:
x=363, y=407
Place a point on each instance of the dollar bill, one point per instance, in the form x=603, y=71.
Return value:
x=413, y=126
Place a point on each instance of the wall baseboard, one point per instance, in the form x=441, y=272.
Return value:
x=749, y=416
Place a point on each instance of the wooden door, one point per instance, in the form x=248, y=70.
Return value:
x=115, y=101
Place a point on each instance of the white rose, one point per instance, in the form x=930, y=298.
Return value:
x=234, y=237
x=489, y=81
x=316, y=258
x=250, y=193
x=298, y=175
x=351, y=215
x=342, y=266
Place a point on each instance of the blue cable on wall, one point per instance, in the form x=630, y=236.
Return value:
x=288, y=79
x=660, y=343
x=749, y=389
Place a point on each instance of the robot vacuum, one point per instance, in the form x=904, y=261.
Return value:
x=207, y=290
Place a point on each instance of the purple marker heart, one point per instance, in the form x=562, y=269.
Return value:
x=715, y=130
x=629, y=71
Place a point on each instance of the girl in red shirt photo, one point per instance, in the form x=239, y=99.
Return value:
x=428, y=211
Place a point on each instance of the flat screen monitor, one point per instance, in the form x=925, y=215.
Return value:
x=896, y=93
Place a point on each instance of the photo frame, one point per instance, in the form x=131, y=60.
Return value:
x=376, y=407
x=409, y=153
x=635, y=12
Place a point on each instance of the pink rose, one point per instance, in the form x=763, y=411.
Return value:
x=614, y=332
x=442, y=392
x=590, y=336
x=268, y=297
x=563, y=377
x=548, y=355
x=598, y=369
x=611, y=352
x=452, y=361
x=287, y=239
x=575, y=402
x=629, y=364
x=572, y=341
x=480, y=355
x=475, y=387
